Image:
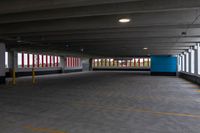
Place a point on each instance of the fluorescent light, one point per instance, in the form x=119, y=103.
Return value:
x=145, y=48
x=82, y=50
x=124, y=20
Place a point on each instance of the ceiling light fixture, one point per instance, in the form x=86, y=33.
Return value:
x=145, y=48
x=184, y=33
x=82, y=50
x=19, y=39
x=124, y=20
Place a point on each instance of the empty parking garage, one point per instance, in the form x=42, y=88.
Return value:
x=91, y=66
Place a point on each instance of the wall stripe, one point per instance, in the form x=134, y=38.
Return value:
x=38, y=60
x=42, y=60
x=33, y=60
x=22, y=59
x=28, y=60
x=46, y=60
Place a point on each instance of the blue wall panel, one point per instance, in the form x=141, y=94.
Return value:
x=163, y=64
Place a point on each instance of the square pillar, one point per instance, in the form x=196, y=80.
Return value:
x=189, y=61
x=86, y=64
x=179, y=63
x=182, y=61
x=12, y=60
x=185, y=62
x=2, y=63
x=197, y=59
x=62, y=63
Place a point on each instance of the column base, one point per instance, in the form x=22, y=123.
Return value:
x=2, y=80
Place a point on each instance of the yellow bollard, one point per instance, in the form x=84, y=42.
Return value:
x=13, y=77
x=33, y=76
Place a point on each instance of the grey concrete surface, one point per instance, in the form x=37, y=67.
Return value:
x=190, y=77
x=100, y=102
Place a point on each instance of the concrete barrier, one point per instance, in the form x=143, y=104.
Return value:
x=190, y=77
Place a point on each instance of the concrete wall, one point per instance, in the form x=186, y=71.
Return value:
x=190, y=77
x=121, y=69
x=42, y=71
x=86, y=64
x=163, y=65
x=65, y=69
x=12, y=61
x=28, y=71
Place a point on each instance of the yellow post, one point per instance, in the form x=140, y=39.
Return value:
x=33, y=76
x=13, y=77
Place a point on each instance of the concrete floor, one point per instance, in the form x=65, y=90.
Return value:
x=100, y=102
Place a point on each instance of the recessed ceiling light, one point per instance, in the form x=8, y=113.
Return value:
x=184, y=33
x=124, y=20
x=19, y=39
x=145, y=48
x=82, y=50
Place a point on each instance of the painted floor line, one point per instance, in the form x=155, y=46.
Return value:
x=130, y=109
x=43, y=130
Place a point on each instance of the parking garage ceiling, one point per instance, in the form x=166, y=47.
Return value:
x=162, y=26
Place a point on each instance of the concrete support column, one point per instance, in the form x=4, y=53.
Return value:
x=182, y=61
x=90, y=61
x=185, y=62
x=86, y=64
x=179, y=63
x=2, y=63
x=62, y=63
x=12, y=60
x=190, y=61
x=197, y=59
